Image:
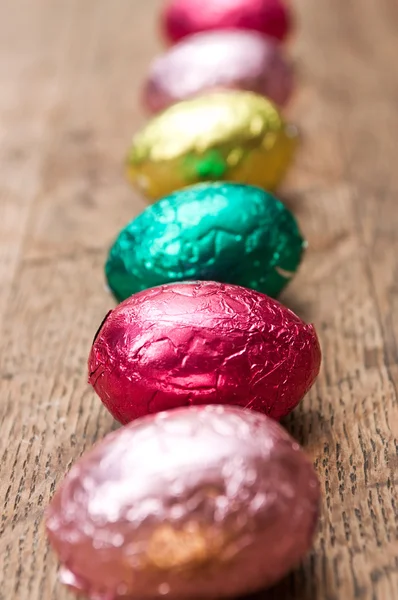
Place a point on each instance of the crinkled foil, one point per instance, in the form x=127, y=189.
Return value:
x=219, y=231
x=199, y=503
x=202, y=343
x=232, y=136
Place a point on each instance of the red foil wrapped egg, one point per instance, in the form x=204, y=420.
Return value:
x=196, y=343
x=185, y=17
x=233, y=59
x=205, y=502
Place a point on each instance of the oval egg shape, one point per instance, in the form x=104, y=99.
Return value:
x=203, y=502
x=181, y=18
x=234, y=59
x=219, y=231
x=202, y=343
x=232, y=136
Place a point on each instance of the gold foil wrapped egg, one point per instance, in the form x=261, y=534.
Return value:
x=231, y=136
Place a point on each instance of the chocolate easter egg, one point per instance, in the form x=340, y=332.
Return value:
x=219, y=231
x=202, y=343
x=181, y=18
x=236, y=59
x=205, y=502
x=233, y=136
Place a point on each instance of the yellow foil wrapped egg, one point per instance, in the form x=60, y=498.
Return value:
x=231, y=136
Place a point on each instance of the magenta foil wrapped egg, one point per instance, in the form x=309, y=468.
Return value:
x=204, y=503
x=185, y=344
x=233, y=59
x=181, y=18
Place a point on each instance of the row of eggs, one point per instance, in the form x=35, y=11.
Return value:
x=212, y=498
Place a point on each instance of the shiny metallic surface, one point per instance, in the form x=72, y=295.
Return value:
x=219, y=231
x=181, y=18
x=194, y=343
x=235, y=59
x=205, y=502
x=232, y=136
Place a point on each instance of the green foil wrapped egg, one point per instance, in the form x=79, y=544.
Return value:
x=227, y=232
x=230, y=136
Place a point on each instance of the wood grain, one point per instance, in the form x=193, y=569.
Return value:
x=70, y=74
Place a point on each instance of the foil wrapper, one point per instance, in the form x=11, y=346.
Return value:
x=182, y=18
x=202, y=343
x=219, y=231
x=197, y=503
x=233, y=136
x=233, y=59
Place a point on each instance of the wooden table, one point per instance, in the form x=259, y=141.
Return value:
x=70, y=76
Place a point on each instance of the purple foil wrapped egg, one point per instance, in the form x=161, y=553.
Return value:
x=202, y=502
x=230, y=59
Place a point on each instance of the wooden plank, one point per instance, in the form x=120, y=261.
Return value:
x=70, y=75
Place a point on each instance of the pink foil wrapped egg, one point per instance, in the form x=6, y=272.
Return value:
x=185, y=17
x=205, y=502
x=234, y=59
x=202, y=342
